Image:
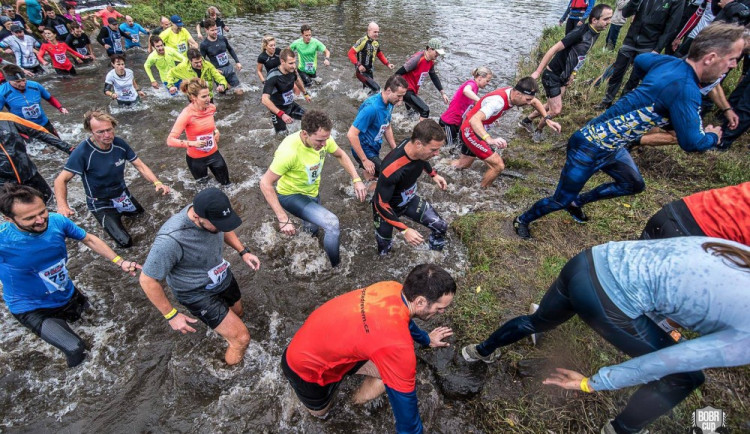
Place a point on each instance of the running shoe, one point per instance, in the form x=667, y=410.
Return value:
x=532, y=309
x=577, y=213
x=527, y=125
x=522, y=229
x=471, y=354
x=538, y=136
x=609, y=429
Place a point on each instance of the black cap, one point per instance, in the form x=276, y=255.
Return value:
x=111, y=20
x=213, y=205
x=16, y=28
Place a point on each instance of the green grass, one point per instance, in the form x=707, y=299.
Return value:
x=512, y=273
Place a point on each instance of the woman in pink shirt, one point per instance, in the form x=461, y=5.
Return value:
x=465, y=96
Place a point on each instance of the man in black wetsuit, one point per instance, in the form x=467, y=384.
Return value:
x=396, y=190
x=278, y=92
x=217, y=50
x=362, y=55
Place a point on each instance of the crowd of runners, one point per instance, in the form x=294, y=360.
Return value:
x=690, y=269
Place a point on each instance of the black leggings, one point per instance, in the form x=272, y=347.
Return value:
x=111, y=221
x=51, y=325
x=199, y=167
x=414, y=102
x=367, y=80
x=672, y=220
x=420, y=211
x=577, y=292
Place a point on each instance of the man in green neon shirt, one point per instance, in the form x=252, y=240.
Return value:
x=307, y=49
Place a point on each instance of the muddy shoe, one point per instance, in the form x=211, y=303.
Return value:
x=522, y=229
x=471, y=354
x=537, y=137
x=577, y=213
x=534, y=336
x=527, y=125
x=609, y=429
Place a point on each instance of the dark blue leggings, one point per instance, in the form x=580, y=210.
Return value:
x=577, y=292
x=584, y=159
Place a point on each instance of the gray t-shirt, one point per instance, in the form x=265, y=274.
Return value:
x=188, y=256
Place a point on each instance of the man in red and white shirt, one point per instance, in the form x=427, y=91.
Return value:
x=475, y=138
x=415, y=70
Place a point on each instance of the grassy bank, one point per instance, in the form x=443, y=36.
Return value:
x=192, y=11
x=508, y=274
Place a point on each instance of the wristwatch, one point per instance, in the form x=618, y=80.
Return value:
x=242, y=253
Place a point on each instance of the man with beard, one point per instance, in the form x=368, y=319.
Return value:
x=187, y=253
x=36, y=284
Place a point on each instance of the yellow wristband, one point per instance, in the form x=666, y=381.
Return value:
x=404, y=231
x=116, y=258
x=157, y=182
x=484, y=137
x=585, y=385
x=356, y=180
x=172, y=313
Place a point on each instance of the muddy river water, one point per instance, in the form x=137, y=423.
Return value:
x=143, y=377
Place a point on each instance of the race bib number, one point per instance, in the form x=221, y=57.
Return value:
x=61, y=29
x=135, y=38
x=310, y=67
x=313, y=172
x=288, y=97
x=218, y=274
x=581, y=61
x=117, y=44
x=182, y=47
x=220, y=31
x=128, y=94
x=222, y=58
x=379, y=136
x=31, y=112
x=123, y=203
x=408, y=194
x=60, y=58
x=210, y=143
x=422, y=76
x=83, y=51
x=55, y=277
x=29, y=60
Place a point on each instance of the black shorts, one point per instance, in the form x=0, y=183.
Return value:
x=293, y=110
x=313, y=395
x=209, y=307
x=552, y=83
x=451, y=134
x=375, y=160
x=672, y=220
x=70, y=312
x=414, y=102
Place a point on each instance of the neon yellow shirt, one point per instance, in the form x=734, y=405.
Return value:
x=163, y=63
x=178, y=41
x=299, y=166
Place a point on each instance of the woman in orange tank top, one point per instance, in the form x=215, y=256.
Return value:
x=197, y=121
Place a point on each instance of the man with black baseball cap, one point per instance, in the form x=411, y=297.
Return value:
x=187, y=253
x=475, y=138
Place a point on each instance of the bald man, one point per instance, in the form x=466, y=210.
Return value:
x=164, y=24
x=362, y=55
x=135, y=31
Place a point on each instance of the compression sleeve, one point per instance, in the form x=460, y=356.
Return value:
x=382, y=58
x=383, y=194
x=352, y=55
x=435, y=79
x=406, y=411
x=54, y=102
x=420, y=336
x=716, y=350
x=231, y=51
x=401, y=71
x=108, y=87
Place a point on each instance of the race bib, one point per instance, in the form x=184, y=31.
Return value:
x=182, y=47
x=422, y=76
x=288, y=97
x=379, y=136
x=222, y=58
x=135, y=38
x=61, y=29
x=313, y=172
x=83, y=51
x=128, y=94
x=310, y=67
x=123, y=203
x=55, y=277
x=220, y=31
x=209, y=139
x=117, y=44
x=29, y=60
x=218, y=274
x=31, y=112
x=60, y=58
x=408, y=194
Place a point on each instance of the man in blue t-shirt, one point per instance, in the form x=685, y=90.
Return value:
x=33, y=268
x=100, y=162
x=24, y=97
x=130, y=27
x=373, y=122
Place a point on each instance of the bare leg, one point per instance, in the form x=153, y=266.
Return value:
x=463, y=162
x=372, y=387
x=496, y=166
x=234, y=331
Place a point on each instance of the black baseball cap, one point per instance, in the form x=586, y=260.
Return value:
x=15, y=28
x=213, y=205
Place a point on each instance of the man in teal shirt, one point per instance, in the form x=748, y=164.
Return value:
x=307, y=49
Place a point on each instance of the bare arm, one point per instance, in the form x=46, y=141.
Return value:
x=547, y=58
x=389, y=137
x=102, y=249
x=149, y=176
x=260, y=73
x=269, y=193
x=231, y=239
x=266, y=101
x=359, y=187
x=469, y=93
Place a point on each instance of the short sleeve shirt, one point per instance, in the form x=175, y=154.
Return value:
x=299, y=166
x=270, y=62
x=102, y=172
x=123, y=85
x=179, y=41
x=280, y=87
x=79, y=43
x=307, y=54
x=33, y=266
x=372, y=121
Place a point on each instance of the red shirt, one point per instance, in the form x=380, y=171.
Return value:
x=417, y=69
x=365, y=324
x=495, y=110
x=106, y=15
x=723, y=212
x=57, y=53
